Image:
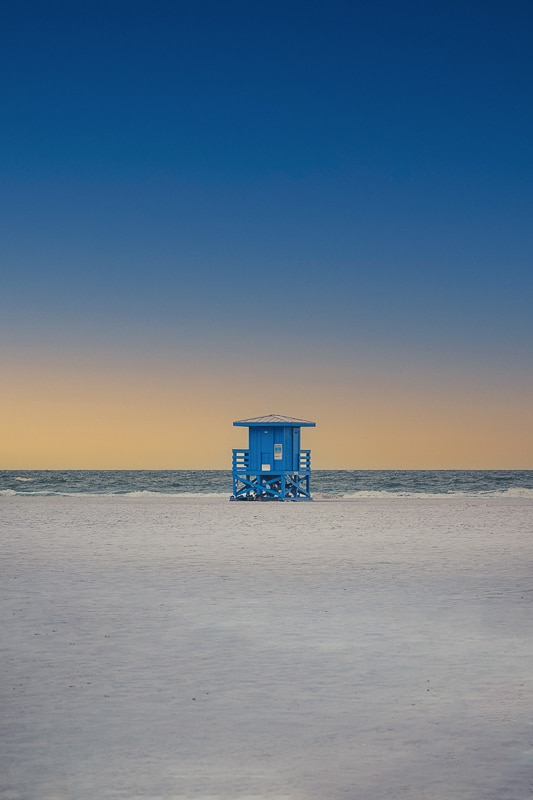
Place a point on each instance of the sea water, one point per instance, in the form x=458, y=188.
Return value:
x=324, y=483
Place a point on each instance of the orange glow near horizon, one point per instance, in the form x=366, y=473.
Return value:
x=77, y=417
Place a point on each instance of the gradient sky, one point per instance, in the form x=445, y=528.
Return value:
x=212, y=211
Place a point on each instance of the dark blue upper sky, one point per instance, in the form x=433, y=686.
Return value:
x=167, y=167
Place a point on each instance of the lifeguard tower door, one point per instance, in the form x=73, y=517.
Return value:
x=296, y=448
x=267, y=450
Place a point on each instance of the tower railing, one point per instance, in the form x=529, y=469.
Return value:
x=241, y=460
x=305, y=461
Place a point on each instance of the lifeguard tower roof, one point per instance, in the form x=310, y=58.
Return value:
x=275, y=419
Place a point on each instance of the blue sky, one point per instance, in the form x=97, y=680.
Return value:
x=343, y=186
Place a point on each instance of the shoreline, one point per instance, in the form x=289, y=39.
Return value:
x=366, y=496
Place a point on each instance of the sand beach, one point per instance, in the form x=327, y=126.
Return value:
x=178, y=648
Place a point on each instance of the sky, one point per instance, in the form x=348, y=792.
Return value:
x=213, y=211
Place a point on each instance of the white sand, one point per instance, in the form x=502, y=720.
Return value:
x=168, y=648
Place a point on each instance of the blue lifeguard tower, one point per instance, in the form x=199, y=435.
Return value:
x=274, y=467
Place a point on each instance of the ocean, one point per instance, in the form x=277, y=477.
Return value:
x=324, y=483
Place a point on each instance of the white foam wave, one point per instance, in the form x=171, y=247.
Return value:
x=133, y=494
x=24, y=480
x=147, y=493
x=417, y=495
x=364, y=494
x=518, y=491
x=377, y=493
